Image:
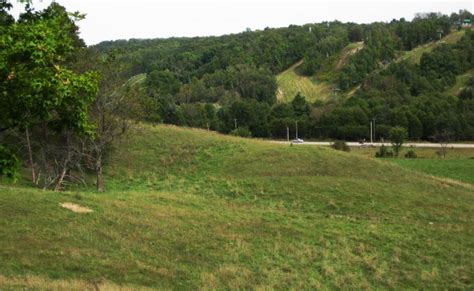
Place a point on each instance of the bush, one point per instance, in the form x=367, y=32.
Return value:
x=411, y=154
x=8, y=163
x=398, y=136
x=442, y=152
x=242, y=132
x=341, y=146
x=384, y=152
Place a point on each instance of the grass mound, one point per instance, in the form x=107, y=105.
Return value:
x=192, y=209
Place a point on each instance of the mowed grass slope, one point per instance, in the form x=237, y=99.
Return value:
x=291, y=83
x=192, y=209
x=318, y=87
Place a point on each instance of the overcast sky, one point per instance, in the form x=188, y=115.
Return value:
x=124, y=19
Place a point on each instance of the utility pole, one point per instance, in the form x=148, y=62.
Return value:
x=235, y=123
x=371, y=140
x=373, y=120
x=296, y=129
x=288, y=134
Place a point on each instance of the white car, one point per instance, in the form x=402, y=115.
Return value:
x=297, y=140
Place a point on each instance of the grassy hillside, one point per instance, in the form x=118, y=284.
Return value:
x=461, y=82
x=137, y=79
x=317, y=87
x=192, y=209
x=346, y=52
x=415, y=54
x=290, y=83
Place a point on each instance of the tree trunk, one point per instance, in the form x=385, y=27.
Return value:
x=100, y=176
x=30, y=156
x=60, y=180
x=66, y=162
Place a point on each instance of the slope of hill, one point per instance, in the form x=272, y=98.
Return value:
x=137, y=79
x=415, y=54
x=192, y=209
x=318, y=87
x=290, y=83
x=461, y=82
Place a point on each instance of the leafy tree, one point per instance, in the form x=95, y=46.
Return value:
x=355, y=33
x=195, y=91
x=246, y=113
x=301, y=108
x=253, y=83
x=5, y=17
x=312, y=62
x=415, y=128
x=118, y=103
x=398, y=136
x=36, y=86
x=282, y=110
x=163, y=82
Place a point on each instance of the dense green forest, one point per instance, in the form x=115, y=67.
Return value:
x=223, y=82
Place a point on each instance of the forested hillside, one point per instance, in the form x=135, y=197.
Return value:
x=399, y=73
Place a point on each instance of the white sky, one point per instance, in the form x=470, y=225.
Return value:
x=124, y=19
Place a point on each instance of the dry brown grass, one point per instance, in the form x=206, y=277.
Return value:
x=75, y=207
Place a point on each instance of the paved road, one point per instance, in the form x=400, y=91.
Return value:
x=377, y=144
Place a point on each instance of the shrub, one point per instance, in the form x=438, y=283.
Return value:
x=242, y=132
x=411, y=154
x=384, y=152
x=442, y=152
x=341, y=146
x=8, y=163
x=398, y=136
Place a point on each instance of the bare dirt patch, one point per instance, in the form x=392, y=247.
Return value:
x=75, y=207
x=347, y=52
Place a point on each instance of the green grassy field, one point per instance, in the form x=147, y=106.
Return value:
x=422, y=153
x=188, y=209
x=461, y=169
x=458, y=163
